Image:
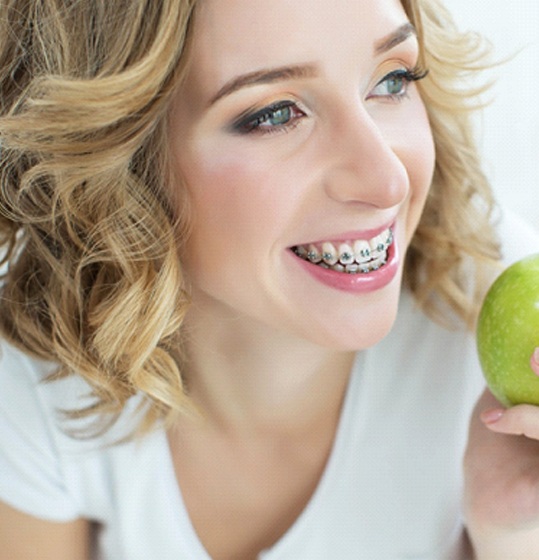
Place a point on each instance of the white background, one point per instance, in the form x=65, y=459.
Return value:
x=509, y=127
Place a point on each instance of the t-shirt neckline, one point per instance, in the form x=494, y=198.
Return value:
x=297, y=530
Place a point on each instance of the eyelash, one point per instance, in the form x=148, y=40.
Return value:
x=257, y=122
x=407, y=75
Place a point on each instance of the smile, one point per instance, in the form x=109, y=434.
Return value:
x=359, y=256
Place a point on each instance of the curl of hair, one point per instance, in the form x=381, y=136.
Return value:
x=93, y=278
x=455, y=249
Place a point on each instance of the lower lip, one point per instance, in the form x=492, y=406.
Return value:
x=359, y=282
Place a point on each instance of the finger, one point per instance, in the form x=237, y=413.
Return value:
x=520, y=420
x=534, y=361
x=501, y=471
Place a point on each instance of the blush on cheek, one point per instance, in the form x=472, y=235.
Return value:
x=228, y=201
x=236, y=183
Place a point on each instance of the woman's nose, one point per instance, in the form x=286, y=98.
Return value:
x=363, y=168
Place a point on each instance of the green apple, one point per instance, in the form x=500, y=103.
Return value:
x=508, y=333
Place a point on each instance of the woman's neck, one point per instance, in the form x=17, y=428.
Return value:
x=244, y=375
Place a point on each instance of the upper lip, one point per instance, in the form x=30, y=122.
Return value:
x=364, y=234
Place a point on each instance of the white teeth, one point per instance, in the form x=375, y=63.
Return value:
x=346, y=254
x=329, y=254
x=313, y=255
x=362, y=251
x=357, y=257
x=377, y=245
x=377, y=263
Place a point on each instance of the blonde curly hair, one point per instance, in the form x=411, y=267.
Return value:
x=93, y=278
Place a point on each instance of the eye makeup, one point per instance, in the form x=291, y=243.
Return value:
x=394, y=85
x=285, y=115
x=278, y=116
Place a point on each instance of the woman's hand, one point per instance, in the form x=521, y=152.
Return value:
x=502, y=479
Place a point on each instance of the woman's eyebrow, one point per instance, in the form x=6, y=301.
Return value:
x=396, y=38
x=266, y=76
x=270, y=75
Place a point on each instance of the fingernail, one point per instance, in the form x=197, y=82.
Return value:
x=492, y=415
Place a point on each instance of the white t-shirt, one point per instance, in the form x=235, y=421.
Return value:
x=391, y=489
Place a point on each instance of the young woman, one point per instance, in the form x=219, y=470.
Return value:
x=226, y=225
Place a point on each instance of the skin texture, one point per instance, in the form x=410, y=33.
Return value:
x=270, y=347
x=351, y=164
x=278, y=339
x=502, y=481
x=25, y=538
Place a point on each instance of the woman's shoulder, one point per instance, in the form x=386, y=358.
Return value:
x=12, y=357
x=28, y=389
x=53, y=467
x=20, y=378
x=32, y=478
x=41, y=412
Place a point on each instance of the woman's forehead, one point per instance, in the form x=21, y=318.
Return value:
x=239, y=36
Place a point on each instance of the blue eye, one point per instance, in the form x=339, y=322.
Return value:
x=279, y=116
x=395, y=84
x=276, y=117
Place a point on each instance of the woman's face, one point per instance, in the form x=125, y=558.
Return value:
x=307, y=155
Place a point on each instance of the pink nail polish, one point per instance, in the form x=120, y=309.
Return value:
x=492, y=415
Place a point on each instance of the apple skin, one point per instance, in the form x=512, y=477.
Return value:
x=508, y=333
